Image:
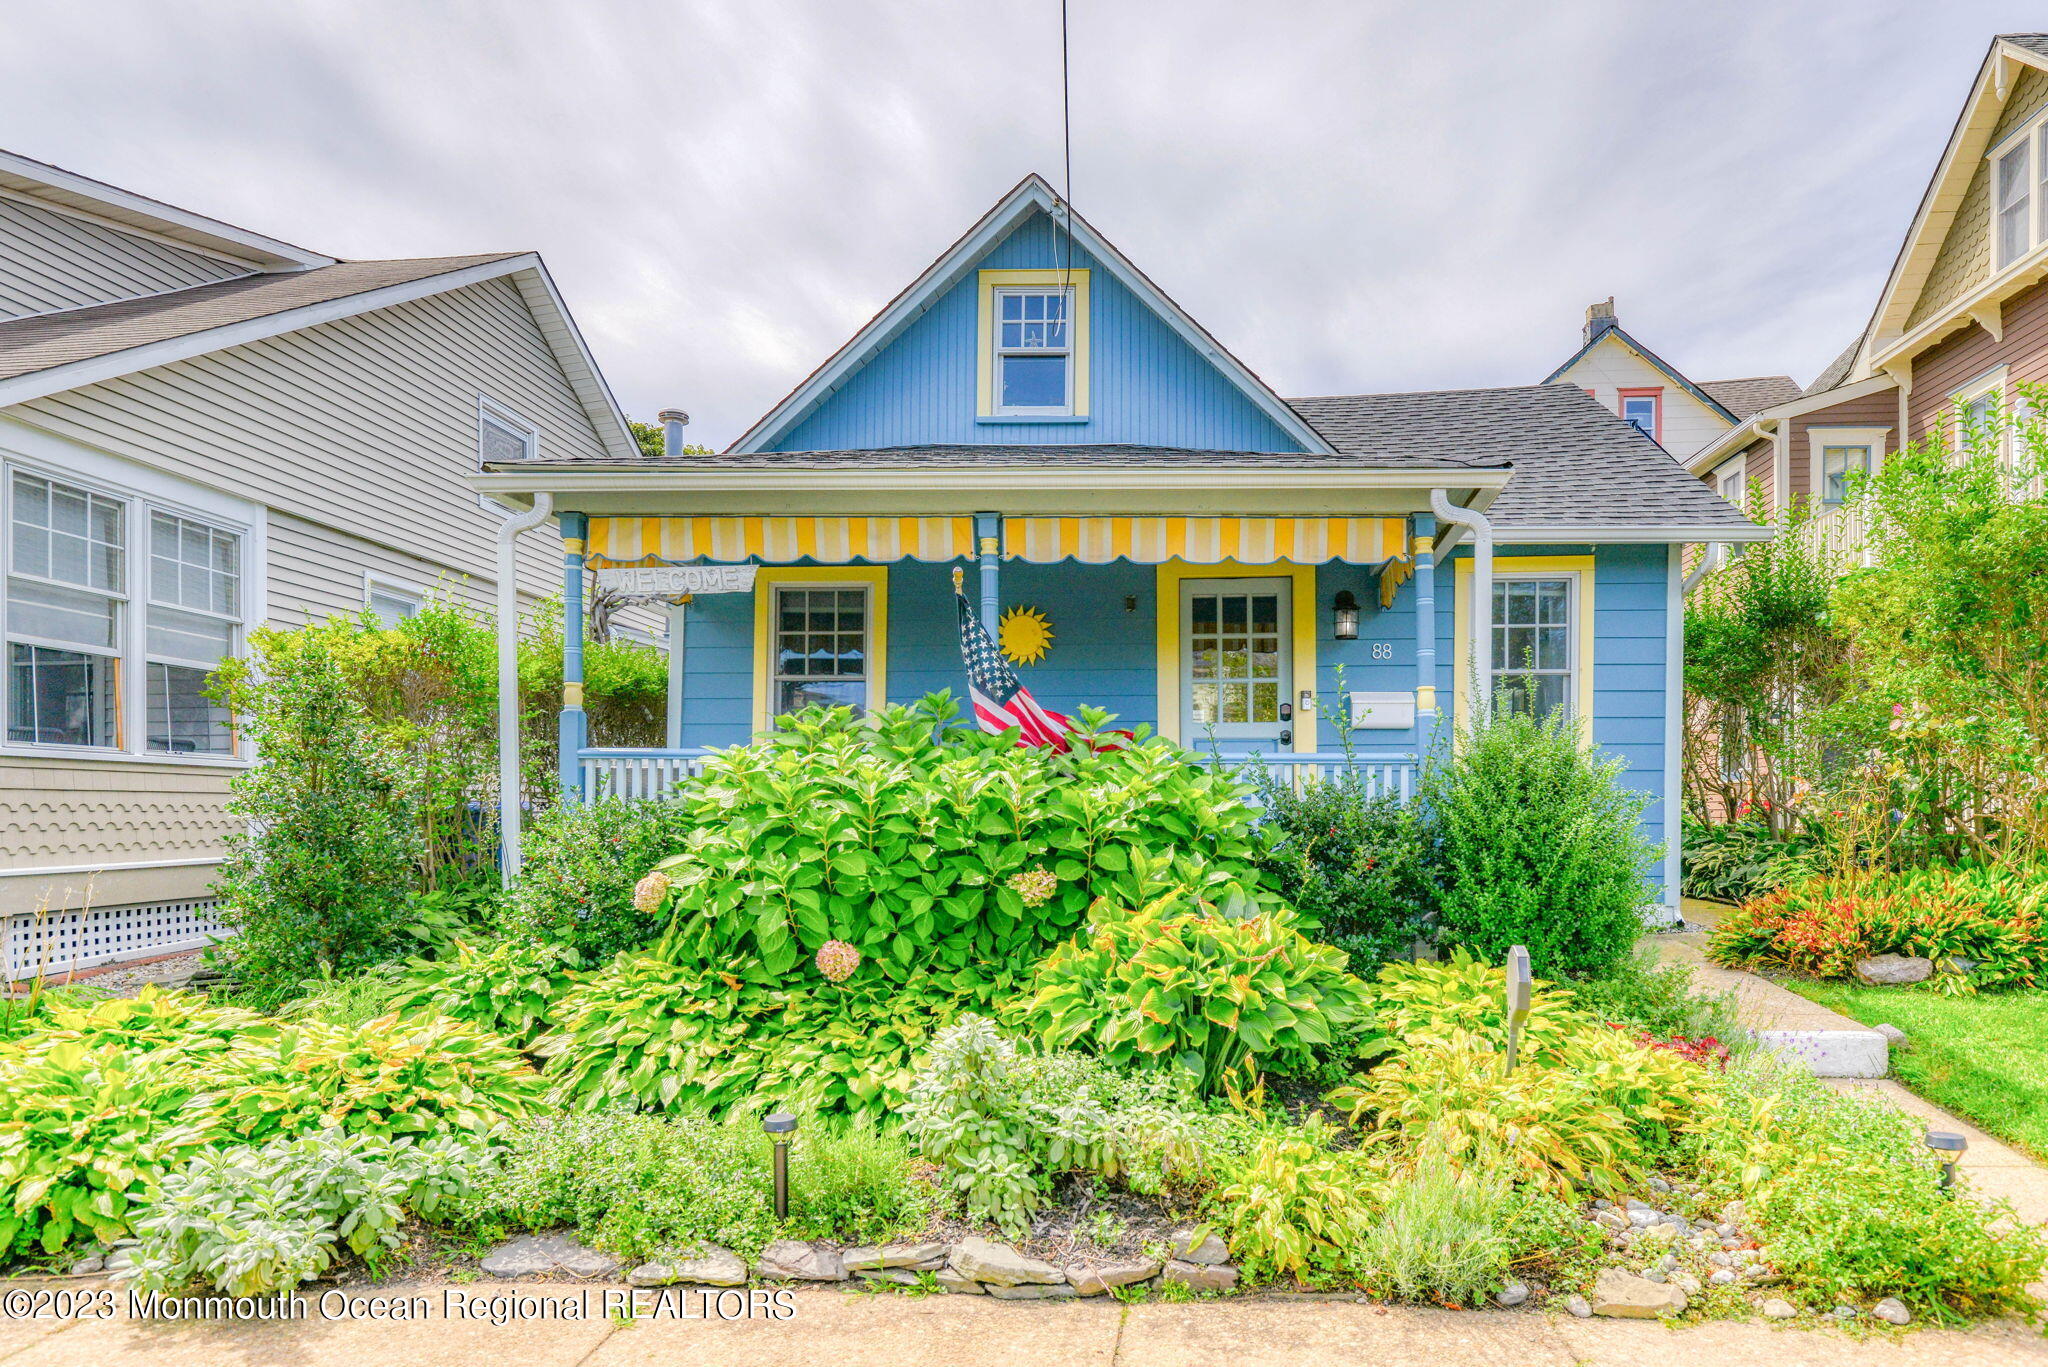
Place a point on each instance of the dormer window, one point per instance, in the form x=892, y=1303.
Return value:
x=1034, y=351
x=1033, y=363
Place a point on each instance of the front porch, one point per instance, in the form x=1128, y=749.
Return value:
x=1237, y=637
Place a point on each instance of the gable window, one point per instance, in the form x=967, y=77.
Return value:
x=1532, y=644
x=821, y=647
x=2019, y=195
x=116, y=613
x=1033, y=362
x=503, y=435
x=1733, y=482
x=1034, y=351
x=1642, y=409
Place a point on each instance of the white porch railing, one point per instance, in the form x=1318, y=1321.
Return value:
x=650, y=775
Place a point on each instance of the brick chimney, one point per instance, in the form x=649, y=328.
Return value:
x=1599, y=318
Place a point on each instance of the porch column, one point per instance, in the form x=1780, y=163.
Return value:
x=988, y=531
x=1424, y=550
x=677, y=613
x=574, y=731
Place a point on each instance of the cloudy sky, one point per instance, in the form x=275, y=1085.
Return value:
x=1352, y=194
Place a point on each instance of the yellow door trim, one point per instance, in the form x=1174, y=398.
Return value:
x=1580, y=567
x=770, y=579
x=1303, y=593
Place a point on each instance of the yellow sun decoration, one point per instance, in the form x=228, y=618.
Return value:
x=1025, y=634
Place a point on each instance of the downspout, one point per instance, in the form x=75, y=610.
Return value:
x=1481, y=654
x=509, y=530
x=1710, y=560
x=1674, y=728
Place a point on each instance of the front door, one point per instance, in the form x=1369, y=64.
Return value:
x=1236, y=663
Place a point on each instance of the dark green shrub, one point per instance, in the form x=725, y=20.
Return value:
x=581, y=860
x=1354, y=866
x=1538, y=844
x=1733, y=861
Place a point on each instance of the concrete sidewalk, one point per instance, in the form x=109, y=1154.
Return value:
x=854, y=1330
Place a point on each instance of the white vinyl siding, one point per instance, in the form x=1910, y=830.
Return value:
x=366, y=425
x=51, y=260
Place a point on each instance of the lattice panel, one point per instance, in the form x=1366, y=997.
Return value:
x=65, y=940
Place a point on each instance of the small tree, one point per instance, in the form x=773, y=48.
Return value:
x=318, y=878
x=1538, y=844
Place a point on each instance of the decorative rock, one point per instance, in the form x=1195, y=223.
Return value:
x=579, y=1261
x=1208, y=1250
x=994, y=1264
x=1775, y=1309
x=655, y=1274
x=892, y=1255
x=1510, y=1294
x=120, y=1260
x=1033, y=1291
x=526, y=1256
x=711, y=1266
x=955, y=1284
x=1610, y=1219
x=1656, y=1274
x=1720, y=1258
x=1733, y=1213
x=1645, y=1219
x=1895, y=969
x=1656, y=1236
x=86, y=1266
x=1892, y=1033
x=1668, y=1263
x=787, y=1260
x=1100, y=1280
x=1686, y=1282
x=1891, y=1311
x=1200, y=1276
x=1659, y=1184
x=1724, y=1276
x=895, y=1276
x=1579, y=1308
x=1602, y=1203
x=1726, y=1230
x=1844, y=1312
x=1621, y=1295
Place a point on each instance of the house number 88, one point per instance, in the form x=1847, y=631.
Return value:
x=1383, y=650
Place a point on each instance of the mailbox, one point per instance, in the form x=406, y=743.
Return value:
x=1382, y=711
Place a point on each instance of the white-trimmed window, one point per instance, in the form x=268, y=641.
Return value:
x=1034, y=351
x=391, y=601
x=1840, y=457
x=1840, y=468
x=821, y=649
x=2019, y=195
x=1534, y=645
x=1977, y=406
x=502, y=434
x=1731, y=481
x=117, y=610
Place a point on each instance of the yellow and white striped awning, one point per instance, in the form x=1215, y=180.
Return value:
x=619, y=541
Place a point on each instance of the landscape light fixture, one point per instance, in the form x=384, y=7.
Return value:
x=1520, y=988
x=1949, y=1146
x=1345, y=625
x=779, y=1126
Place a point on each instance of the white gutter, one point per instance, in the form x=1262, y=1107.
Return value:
x=508, y=675
x=1481, y=653
x=1710, y=560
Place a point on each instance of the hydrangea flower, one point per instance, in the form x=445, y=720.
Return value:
x=837, y=960
x=1034, y=886
x=649, y=892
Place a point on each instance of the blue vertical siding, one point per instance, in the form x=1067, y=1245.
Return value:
x=1146, y=385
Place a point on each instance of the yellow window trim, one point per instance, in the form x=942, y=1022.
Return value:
x=985, y=347
x=768, y=580
x=1518, y=566
x=1303, y=593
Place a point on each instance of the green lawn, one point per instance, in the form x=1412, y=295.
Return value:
x=1983, y=1057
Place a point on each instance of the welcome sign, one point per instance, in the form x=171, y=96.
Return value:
x=668, y=581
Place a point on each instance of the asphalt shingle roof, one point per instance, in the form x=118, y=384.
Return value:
x=1838, y=369
x=1745, y=398
x=1575, y=463
x=1109, y=455
x=47, y=340
x=2032, y=42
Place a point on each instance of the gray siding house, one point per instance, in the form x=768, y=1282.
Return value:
x=203, y=430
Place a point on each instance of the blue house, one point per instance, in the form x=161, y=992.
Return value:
x=1155, y=530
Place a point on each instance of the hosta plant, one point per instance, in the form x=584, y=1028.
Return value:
x=252, y=1221
x=1178, y=983
x=1297, y=1209
x=508, y=988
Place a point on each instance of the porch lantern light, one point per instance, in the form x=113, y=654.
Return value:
x=1345, y=627
x=779, y=1126
x=1520, y=988
x=1948, y=1147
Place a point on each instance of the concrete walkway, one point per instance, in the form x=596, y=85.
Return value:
x=853, y=1330
x=1826, y=1041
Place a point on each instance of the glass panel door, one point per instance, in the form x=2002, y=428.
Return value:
x=1237, y=656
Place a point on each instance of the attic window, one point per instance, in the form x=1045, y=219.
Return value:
x=503, y=435
x=2019, y=195
x=1033, y=365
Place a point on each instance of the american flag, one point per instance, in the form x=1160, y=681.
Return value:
x=1000, y=701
